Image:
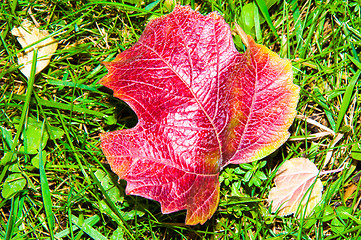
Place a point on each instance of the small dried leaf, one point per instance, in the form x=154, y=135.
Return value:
x=28, y=34
x=293, y=180
x=349, y=191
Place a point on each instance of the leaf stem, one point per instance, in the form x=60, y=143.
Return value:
x=242, y=34
x=331, y=171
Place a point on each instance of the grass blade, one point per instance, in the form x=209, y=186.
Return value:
x=346, y=100
x=11, y=221
x=311, y=33
x=264, y=10
x=93, y=233
x=45, y=191
x=63, y=106
x=297, y=20
x=355, y=61
x=8, y=158
x=113, y=211
x=90, y=221
x=328, y=113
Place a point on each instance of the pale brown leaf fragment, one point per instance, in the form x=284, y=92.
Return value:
x=28, y=34
x=293, y=180
x=349, y=191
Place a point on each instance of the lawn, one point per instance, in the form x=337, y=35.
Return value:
x=55, y=182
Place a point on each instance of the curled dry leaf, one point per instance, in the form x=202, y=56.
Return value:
x=201, y=105
x=28, y=34
x=293, y=181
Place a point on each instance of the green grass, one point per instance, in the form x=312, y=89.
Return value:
x=64, y=188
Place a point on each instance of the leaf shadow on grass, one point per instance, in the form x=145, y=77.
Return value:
x=123, y=113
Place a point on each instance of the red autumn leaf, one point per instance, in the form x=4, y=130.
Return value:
x=201, y=105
